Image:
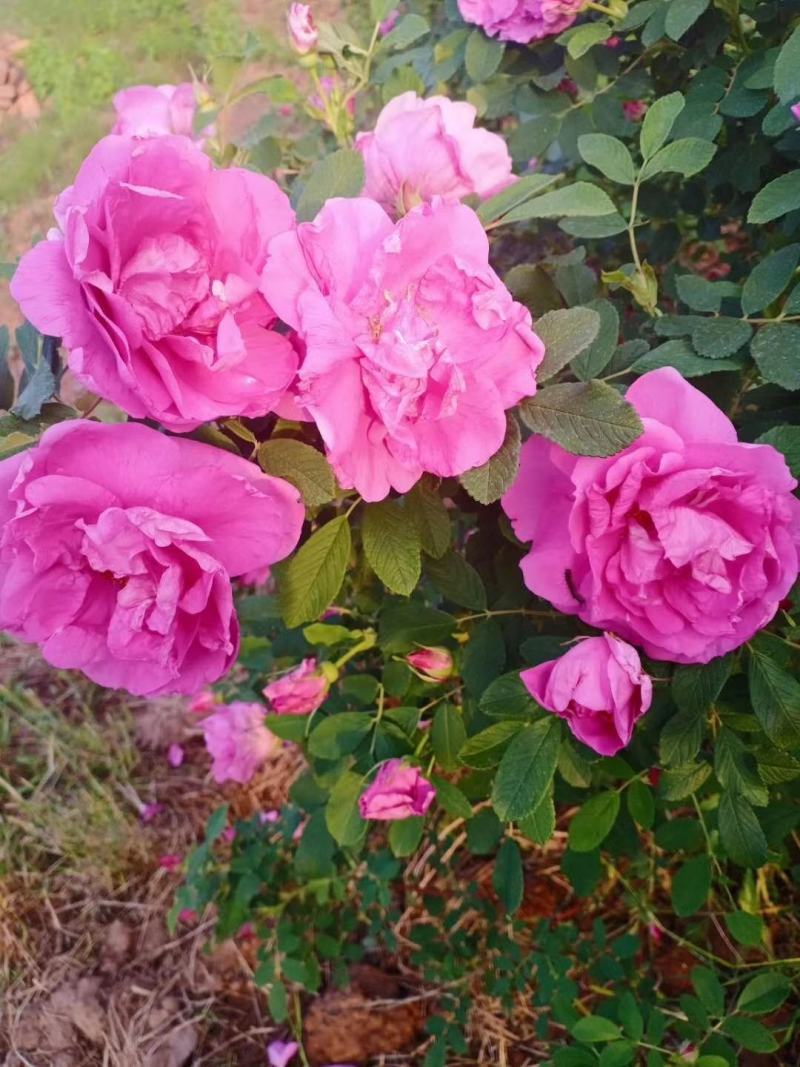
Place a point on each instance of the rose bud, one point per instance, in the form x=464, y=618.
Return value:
x=397, y=792
x=300, y=691
x=302, y=31
x=431, y=664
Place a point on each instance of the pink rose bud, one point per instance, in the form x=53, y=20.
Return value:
x=796, y=111
x=521, y=20
x=148, y=812
x=238, y=741
x=655, y=934
x=598, y=686
x=397, y=792
x=280, y=1053
x=634, y=110
x=389, y=22
x=613, y=42
x=187, y=915
x=431, y=664
x=302, y=31
x=170, y=861
x=300, y=691
x=203, y=702
x=175, y=755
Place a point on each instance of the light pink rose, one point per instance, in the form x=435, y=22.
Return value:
x=521, y=20
x=396, y=792
x=433, y=664
x=152, y=282
x=685, y=542
x=302, y=31
x=796, y=111
x=299, y=692
x=156, y=111
x=425, y=148
x=414, y=347
x=598, y=686
x=116, y=557
x=237, y=741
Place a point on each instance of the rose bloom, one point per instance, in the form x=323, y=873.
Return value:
x=116, y=556
x=300, y=691
x=598, y=686
x=397, y=792
x=521, y=20
x=685, y=542
x=414, y=347
x=152, y=282
x=237, y=741
x=451, y=157
x=157, y=110
x=302, y=31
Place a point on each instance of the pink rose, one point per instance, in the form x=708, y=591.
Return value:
x=521, y=20
x=796, y=111
x=300, y=691
x=116, y=557
x=451, y=157
x=152, y=282
x=432, y=664
x=156, y=111
x=302, y=31
x=598, y=686
x=414, y=347
x=237, y=741
x=685, y=542
x=397, y=792
x=634, y=110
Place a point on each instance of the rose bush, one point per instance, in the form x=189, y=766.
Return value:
x=513, y=307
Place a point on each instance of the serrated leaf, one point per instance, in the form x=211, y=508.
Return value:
x=658, y=122
x=339, y=174
x=404, y=626
x=515, y=194
x=595, y=225
x=775, y=696
x=483, y=56
x=486, y=748
x=587, y=419
x=593, y=821
x=392, y=545
x=488, y=482
x=507, y=697
x=777, y=198
x=526, y=770
x=572, y=201
x=339, y=735
x=768, y=279
x=681, y=16
x=541, y=823
x=680, y=782
x=342, y=816
x=787, y=69
x=696, y=687
x=608, y=155
x=598, y=355
x=457, y=580
x=775, y=351
x=680, y=738
x=447, y=735
x=300, y=465
x=507, y=877
x=720, y=337
x=691, y=885
x=688, y=157
x=405, y=835
x=429, y=513
x=709, y=990
x=740, y=830
x=314, y=575
x=451, y=799
x=565, y=333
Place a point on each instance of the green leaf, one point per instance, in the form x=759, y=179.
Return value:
x=329, y=634
x=587, y=419
x=565, y=334
x=688, y=156
x=287, y=727
x=482, y=56
x=517, y=193
x=608, y=155
x=314, y=575
x=484, y=830
x=630, y=1016
x=769, y=278
x=595, y=1028
x=447, y=735
x=787, y=440
x=486, y=748
x=585, y=37
x=302, y=466
x=710, y=991
x=764, y=993
x=457, y=580
x=691, y=885
x=506, y=697
x=592, y=823
x=680, y=782
x=777, y=198
x=736, y=768
x=750, y=1034
x=508, y=878
x=339, y=735
x=488, y=482
x=430, y=515
x=541, y=823
x=702, y=295
x=741, y=833
x=450, y=798
x=718, y=338
x=775, y=351
x=775, y=696
x=641, y=804
x=745, y=928
x=216, y=823
x=595, y=225
x=408, y=30
x=695, y=688
x=776, y=767
x=572, y=767
x=681, y=737
x=392, y=545
x=679, y=354
x=526, y=770
x=682, y=15
x=599, y=353
x=342, y=817
x=339, y=174
x=658, y=122
x=39, y=388
x=571, y=201
x=787, y=69
x=404, y=626
x=405, y=835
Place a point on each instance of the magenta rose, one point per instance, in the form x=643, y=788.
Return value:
x=796, y=111
x=300, y=691
x=685, y=542
x=521, y=20
x=397, y=792
x=116, y=557
x=237, y=741
x=414, y=347
x=156, y=110
x=152, y=282
x=451, y=157
x=598, y=686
